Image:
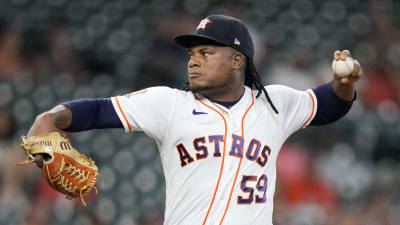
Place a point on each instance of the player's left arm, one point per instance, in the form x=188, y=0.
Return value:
x=344, y=86
x=336, y=98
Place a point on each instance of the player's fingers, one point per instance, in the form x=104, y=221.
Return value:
x=357, y=69
x=336, y=55
x=336, y=77
x=39, y=160
x=344, y=80
x=344, y=54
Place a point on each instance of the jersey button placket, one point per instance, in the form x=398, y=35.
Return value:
x=228, y=164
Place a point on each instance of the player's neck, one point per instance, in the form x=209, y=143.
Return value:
x=226, y=96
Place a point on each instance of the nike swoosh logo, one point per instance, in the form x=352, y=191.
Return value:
x=197, y=113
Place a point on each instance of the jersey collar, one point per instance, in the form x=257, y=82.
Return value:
x=243, y=101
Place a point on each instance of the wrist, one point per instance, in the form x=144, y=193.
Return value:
x=44, y=123
x=344, y=91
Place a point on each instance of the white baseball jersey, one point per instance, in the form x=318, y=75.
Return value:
x=219, y=163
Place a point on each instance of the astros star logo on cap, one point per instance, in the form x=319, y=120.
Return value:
x=203, y=23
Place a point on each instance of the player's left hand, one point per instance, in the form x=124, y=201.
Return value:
x=357, y=71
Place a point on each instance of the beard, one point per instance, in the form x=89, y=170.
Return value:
x=200, y=89
x=204, y=90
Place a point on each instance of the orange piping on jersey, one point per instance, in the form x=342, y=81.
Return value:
x=223, y=158
x=240, y=162
x=123, y=114
x=313, y=108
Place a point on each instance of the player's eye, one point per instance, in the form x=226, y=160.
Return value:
x=206, y=53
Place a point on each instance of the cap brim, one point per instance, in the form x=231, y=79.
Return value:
x=191, y=40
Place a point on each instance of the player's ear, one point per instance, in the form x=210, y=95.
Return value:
x=238, y=60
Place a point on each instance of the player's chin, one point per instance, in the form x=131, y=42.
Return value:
x=199, y=88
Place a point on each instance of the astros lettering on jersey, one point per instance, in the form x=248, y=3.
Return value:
x=219, y=164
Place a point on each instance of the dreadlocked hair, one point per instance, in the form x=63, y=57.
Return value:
x=253, y=80
x=186, y=86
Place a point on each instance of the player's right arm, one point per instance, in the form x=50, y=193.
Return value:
x=77, y=115
x=56, y=119
x=148, y=110
x=53, y=120
x=74, y=116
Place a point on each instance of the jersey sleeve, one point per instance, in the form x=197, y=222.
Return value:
x=296, y=108
x=148, y=110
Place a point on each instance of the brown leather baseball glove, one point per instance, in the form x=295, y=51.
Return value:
x=65, y=169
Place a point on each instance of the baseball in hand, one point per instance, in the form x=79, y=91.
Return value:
x=343, y=68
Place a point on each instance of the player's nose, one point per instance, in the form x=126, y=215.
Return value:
x=193, y=62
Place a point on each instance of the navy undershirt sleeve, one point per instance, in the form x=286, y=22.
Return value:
x=330, y=106
x=92, y=113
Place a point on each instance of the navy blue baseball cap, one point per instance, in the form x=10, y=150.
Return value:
x=220, y=30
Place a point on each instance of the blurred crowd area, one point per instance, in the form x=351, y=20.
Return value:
x=56, y=50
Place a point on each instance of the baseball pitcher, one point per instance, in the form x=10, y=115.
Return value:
x=220, y=136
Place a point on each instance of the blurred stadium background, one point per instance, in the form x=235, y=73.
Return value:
x=57, y=50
